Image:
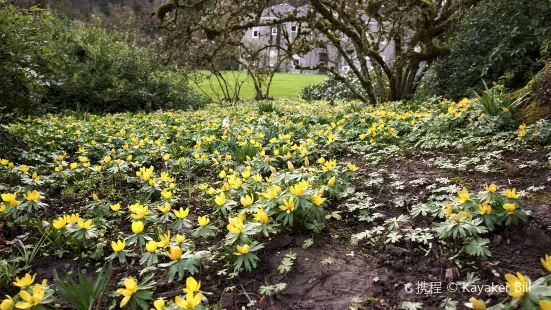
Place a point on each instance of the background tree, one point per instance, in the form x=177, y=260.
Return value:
x=506, y=41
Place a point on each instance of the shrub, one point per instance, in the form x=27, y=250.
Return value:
x=98, y=72
x=23, y=34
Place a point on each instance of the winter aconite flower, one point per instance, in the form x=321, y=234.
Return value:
x=116, y=207
x=484, y=208
x=352, y=167
x=261, y=216
x=288, y=205
x=192, y=285
x=317, y=200
x=511, y=193
x=203, y=221
x=59, y=223
x=235, y=226
x=509, y=207
x=190, y=302
x=332, y=181
x=131, y=287
x=7, y=303
x=242, y=250
x=137, y=227
x=11, y=199
x=159, y=304
x=26, y=281
x=463, y=195
x=477, y=304
x=246, y=200
x=151, y=246
x=165, y=240
x=118, y=246
x=32, y=196
x=220, y=199
x=30, y=300
x=84, y=224
x=518, y=285
x=180, y=238
x=546, y=262
x=181, y=214
x=174, y=253
x=490, y=188
x=545, y=304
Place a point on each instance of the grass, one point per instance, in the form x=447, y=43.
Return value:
x=284, y=85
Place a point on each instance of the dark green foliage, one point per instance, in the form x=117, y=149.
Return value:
x=52, y=65
x=506, y=41
x=22, y=52
x=99, y=72
x=330, y=89
x=85, y=293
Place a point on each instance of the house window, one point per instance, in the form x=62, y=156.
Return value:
x=256, y=32
x=274, y=31
x=293, y=28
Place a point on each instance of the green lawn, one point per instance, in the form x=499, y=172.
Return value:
x=284, y=85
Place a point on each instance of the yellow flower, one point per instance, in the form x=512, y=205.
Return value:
x=139, y=211
x=490, y=188
x=131, y=287
x=24, y=168
x=247, y=200
x=30, y=300
x=165, y=208
x=137, y=227
x=151, y=246
x=11, y=199
x=261, y=216
x=477, y=304
x=222, y=174
x=180, y=238
x=518, y=285
x=27, y=280
x=509, y=207
x=6, y=303
x=166, y=157
x=246, y=174
x=203, y=221
x=272, y=192
x=192, y=285
x=290, y=166
x=95, y=197
x=242, y=250
x=181, y=214
x=235, y=226
x=220, y=199
x=545, y=304
x=511, y=193
x=317, y=200
x=288, y=205
x=484, y=208
x=331, y=181
x=165, y=240
x=463, y=195
x=84, y=225
x=4, y=161
x=166, y=194
x=35, y=176
x=118, y=246
x=32, y=196
x=59, y=223
x=116, y=207
x=352, y=167
x=73, y=165
x=159, y=304
x=546, y=262
x=107, y=159
x=455, y=217
x=257, y=177
x=190, y=302
x=174, y=253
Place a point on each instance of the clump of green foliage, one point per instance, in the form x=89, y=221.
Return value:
x=503, y=41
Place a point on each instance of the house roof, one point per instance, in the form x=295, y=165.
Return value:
x=278, y=10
